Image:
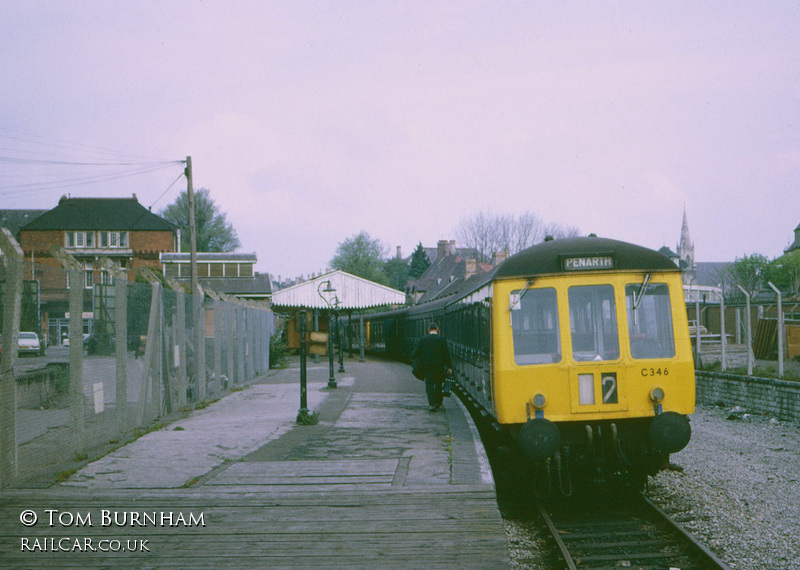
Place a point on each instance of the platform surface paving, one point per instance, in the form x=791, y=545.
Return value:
x=380, y=481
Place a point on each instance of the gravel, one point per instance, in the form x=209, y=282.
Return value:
x=735, y=487
x=739, y=492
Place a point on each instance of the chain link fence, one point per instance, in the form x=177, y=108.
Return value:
x=114, y=360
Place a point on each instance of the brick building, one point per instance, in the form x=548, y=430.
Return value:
x=230, y=273
x=89, y=228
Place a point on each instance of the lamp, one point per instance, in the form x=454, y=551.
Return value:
x=331, y=300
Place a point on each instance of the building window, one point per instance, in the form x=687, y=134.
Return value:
x=245, y=270
x=113, y=239
x=215, y=270
x=106, y=278
x=88, y=270
x=79, y=239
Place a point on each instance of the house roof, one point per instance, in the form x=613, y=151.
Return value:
x=352, y=292
x=445, y=276
x=112, y=214
x=206, y=256
x=258, y=286
x=13, y=220
x=711, y=273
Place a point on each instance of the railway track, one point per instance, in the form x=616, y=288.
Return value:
x=626, y=531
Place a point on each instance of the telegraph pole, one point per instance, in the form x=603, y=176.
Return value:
x=192, y=224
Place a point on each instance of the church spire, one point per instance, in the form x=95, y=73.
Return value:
x=686, y=251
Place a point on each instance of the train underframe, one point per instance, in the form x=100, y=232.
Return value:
x=568, y=456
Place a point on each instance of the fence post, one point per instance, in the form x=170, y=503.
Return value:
x=781, y=332
x=748, y=333
x=12, y=307
x=121, y=334
x=151, y=347
x=723, y=337
x=230, y=325
x=180, y=340
x=198, y=297
x=240, y=343
x=217, y=351
x=697, y=335
x=75, y=272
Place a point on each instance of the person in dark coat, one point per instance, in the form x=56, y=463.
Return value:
x=434, y=359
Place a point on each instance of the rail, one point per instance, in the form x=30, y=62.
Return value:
x=622, y=532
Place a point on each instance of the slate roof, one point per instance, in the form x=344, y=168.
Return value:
x=444, y=277
x=258, y=286
x=711, y=273
x=13, y=220
x=113, y=214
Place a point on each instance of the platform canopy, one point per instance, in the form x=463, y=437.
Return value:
x=346, y=291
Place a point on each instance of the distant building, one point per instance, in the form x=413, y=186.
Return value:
x=450, y=267
x=701, y=280
x=13, y=220
x=674, y=257
x=686, y=252
x=89, y=228
x=230, y=273
x=796, y=243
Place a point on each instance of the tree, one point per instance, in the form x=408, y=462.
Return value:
x=487, y=233
x=363, y=256
x=748, y=271
x=397, y=272
x=784, y=272
x=419, y=262
x=214, y=232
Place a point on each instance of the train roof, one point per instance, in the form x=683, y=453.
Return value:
x=566, y=255
x=580, y=254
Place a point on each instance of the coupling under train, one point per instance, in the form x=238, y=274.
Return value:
x=578, y=348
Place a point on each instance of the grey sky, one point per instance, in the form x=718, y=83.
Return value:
x=311, y=121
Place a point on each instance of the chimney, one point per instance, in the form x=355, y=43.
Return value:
x=499, y=257
x=471, y=268
x=399, y=253
x=452, y=247
x=441, y=249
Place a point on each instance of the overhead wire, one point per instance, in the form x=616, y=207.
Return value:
x=50, y=157
x=50, y=185
x=59, y=144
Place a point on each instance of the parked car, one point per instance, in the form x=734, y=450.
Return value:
x=99, y=344
x=29, y=343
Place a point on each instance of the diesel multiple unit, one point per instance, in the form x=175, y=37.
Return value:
x=578, y=348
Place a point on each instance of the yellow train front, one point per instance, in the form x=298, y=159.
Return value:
x=591, y=368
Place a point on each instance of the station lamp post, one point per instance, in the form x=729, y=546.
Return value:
x=328, y=294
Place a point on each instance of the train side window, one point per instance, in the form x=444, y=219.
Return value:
x=650, y=323
x=593, y=323
x=534, y=324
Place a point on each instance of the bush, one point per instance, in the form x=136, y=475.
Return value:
x=278, y=350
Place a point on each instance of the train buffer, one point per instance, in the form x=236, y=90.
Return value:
x=380, y=480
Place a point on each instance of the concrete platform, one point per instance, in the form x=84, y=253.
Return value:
x=379, y=480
